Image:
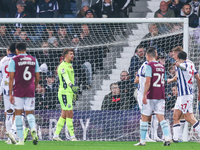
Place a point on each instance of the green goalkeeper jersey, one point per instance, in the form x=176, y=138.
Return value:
x=66, y=76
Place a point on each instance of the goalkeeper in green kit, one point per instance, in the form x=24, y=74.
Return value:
x=66, y=93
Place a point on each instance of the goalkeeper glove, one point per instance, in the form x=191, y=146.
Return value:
x=74, y=88
x=74, y=97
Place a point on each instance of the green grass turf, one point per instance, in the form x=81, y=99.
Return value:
x=96, y=145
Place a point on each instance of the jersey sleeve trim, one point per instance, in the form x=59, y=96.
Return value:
x=36, y=66
x=148, y=71
x=11, y=66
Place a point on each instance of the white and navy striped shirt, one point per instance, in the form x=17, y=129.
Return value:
x=4, y=73
x=185, y=77
x=141, y=75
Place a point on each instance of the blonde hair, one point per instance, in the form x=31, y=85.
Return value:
x=177, y=49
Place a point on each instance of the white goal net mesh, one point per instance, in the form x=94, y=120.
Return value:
x=104, y=53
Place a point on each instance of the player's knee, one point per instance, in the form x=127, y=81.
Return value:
x=175, y=118
x=188, y=117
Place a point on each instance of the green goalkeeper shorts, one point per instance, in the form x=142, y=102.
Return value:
x=66, y=101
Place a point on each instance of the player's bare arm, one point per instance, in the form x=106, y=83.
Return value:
x=136, y=81
x=174, y=79
x=11, y=80
x=146, y=89
x=37, y=79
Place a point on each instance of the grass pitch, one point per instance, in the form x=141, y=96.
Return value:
x=96, y=145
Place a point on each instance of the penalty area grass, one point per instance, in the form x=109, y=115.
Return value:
x=98, y=145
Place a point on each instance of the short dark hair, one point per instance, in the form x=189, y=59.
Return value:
x=21, y=46
x=22, y=30
x=151, y=51
x=151, y=24
x=115, y=83
x=139, y=46
x=67, y=50
x=124, y=71
x=12, y=48
x=182, y=55
x=186, y=4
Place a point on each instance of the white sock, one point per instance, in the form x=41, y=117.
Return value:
x=154, y=126
x=9, y=118
x=176, y=131
x=182, y=123
x=56, y=135
x=196, y=126
x=21, y=140
x=71, y=137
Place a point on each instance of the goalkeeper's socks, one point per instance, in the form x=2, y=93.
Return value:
x=196, y=126
x=31, y=121
x=165, y=129
x=182, y=123
x=19, y=125
x=59, y=126
x=176, y=131
x=143, y=130
x=69, y=122
x=55, y=135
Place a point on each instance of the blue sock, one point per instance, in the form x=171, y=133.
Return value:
x=31, y=121
x=143, y=130
x=19, y=126
x=165, y=129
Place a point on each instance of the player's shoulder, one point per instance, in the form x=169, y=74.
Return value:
x=62, y=66
x=4, y=58
x=144, y=63
x=189, y=62
x=32, y=57
x=155, y=63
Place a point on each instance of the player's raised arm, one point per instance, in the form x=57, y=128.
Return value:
x=174, y=79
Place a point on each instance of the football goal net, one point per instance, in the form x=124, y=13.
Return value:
x=108, y=54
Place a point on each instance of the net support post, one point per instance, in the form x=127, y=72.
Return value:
x=185, y=35
x=185, y=48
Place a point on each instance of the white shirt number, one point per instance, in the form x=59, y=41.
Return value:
x=27, y=74
x=156, y=84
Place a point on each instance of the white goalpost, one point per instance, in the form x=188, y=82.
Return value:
x=103, y=49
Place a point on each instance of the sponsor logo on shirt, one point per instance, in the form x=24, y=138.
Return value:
x=6, y=83
x=63, y=71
